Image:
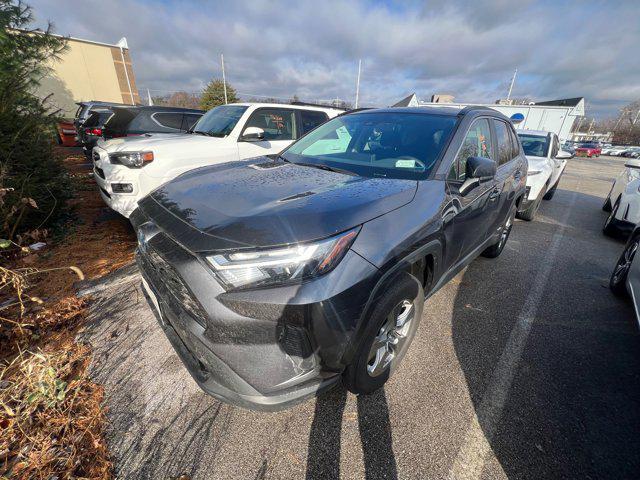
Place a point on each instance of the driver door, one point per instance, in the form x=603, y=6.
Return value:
x=473, y=205
x=280, y=129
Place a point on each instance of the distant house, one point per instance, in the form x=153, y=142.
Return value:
x=90, y=70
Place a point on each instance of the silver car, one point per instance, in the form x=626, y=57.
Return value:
x=625, y=279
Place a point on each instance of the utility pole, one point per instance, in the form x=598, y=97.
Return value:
x=358, y=82
x=636, y=119
x=224, y=78
x=513, y=80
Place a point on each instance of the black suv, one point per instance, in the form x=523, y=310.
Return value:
x=130, y=121
x=276, y=278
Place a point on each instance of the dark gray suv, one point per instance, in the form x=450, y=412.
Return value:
x=276, y=278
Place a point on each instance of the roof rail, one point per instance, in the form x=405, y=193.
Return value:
x=470, y=108
x=308, y=104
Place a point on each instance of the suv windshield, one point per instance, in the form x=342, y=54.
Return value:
x=534, y=145
x=219, y=121
x=377, y=144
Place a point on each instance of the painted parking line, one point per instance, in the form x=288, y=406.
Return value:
x=470, y=459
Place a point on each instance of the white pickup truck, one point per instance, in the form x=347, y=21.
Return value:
x=127, y=169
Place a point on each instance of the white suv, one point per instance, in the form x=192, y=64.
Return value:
x=546, y=164
x=127, y=169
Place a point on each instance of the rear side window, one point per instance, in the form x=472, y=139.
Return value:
x=169, y=119
x=277, y=123
x=505, y=149
x=515, y=144
x=477, y=143
x=311, y=119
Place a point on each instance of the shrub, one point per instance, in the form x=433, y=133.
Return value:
x=34, y=186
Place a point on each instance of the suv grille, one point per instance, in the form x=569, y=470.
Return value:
x=165, y=278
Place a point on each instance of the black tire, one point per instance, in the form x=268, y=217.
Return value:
x=611, y=225
x=530, y=212
x=366, y=374
x=618, y=280
x=550, y=193
x=496, y=249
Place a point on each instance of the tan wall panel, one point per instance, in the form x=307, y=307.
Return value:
x=87, y=71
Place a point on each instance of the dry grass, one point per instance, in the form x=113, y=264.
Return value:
x=51, y=415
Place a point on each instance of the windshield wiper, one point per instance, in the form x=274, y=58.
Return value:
x=200, y=132
x=327, y=168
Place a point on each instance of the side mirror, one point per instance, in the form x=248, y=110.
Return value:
x=480, y=168
x=252, y=134
x=562, y=155
x=632, y=163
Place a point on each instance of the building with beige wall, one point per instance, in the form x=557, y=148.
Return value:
x=89, y=70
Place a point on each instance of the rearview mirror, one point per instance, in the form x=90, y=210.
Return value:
x=562, y=155
x=480, y=168
x=252, y=134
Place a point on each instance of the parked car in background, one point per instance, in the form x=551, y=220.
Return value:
x=135, y=121
x=546, y=165
x=631, y=152
x=128, y=169
x=625, y=278
x=86, y=108
x=568, y=147
x=588, y=150
x=277, y=278
x=66, y=133
x=623, y=201
x=91, y=130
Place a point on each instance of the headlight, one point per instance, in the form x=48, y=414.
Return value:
x=131, y=159
x=533, y=172
x=281, y=265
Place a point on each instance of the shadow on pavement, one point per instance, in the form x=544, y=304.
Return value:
x=323, y=461
x=573, y=405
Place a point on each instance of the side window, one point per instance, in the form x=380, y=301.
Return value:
x=189, y=120
x=169, y=119
x=477, y=143
x=311, y=119
x=515, y=143
x=278, y=124
x=505, y=149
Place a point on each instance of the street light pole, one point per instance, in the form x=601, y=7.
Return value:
x=513, y=80
x=358, y=83
x=224, y=78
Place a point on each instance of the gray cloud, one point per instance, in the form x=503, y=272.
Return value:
x=466, y=48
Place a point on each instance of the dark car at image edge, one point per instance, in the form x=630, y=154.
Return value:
x=277, y=278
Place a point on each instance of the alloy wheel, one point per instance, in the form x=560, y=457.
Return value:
x=624, y=264
x=391, y=339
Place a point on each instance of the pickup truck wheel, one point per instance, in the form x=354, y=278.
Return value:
x=618, y=281
x=391, y=326
x=530, y=212
x=611, y=225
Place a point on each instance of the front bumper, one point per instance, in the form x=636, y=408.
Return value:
x=105, y=173
x=265, y=349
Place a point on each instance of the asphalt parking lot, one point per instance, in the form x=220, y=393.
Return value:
x=523, y=367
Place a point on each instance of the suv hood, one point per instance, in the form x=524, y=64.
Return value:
x=159, y=142
x=261, y=202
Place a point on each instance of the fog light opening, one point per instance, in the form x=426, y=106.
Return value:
x=122, y=188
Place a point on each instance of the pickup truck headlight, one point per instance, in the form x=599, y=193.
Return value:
x=131, y=159
x=533, y=172
x=280, y=265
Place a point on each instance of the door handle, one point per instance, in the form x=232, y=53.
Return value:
x=517, y=176
x=494, y=194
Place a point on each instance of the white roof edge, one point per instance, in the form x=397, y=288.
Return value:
x=491, y=105
x=68, y=37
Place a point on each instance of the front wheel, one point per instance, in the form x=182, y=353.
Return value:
x=530, y=212
x=618, y=281
x=390, y=329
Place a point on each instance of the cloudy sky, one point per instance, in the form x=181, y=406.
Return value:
x=311, y=48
